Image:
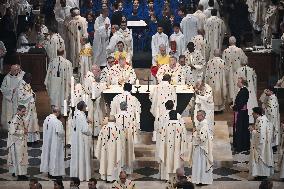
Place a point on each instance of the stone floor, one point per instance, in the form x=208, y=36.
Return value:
x=230, y=169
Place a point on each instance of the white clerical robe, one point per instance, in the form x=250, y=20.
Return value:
x=173, y=148
x=100, y=21
x=17, y=147
x=261, y=154
x=199, y=44
x=204, y=101
x=270, y=106
x=117, y=73
x=58, y=80
x=271, y=24
x=214, y=34
x=207, y=12
x=86, y=60
x=250, y=75
x=25, y=96
x=201, y=18
x=54, y=43
x=128, y=41
x=80, y=163
x=178, y=38
x=23, y=39
x=189, y=27
x=96, y=109
x=205, y=5
x=161, y=93
x=234, y=58
x=201, y=157
x=104, y=77
x=127, y=185
x=77, y=29
x=109, y=151
x=9, y=83
x=215, y=77
x=133, y=106
x=198, y=62
x=111, y=47
x=157, y=40
x=127, y=122
x=188, y=75
x=176, y=74
x=62, y=14
x=52, y=156
x=101, y=41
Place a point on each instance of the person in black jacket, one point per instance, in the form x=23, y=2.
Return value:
x=241, y=135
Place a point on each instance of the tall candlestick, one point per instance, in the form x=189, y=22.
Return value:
x=65, y=108
x=72, y=83
x=93, y=91
x=137, y=82
x=72, y=91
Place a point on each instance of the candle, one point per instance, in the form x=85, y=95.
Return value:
x=65, y=108
x=72, y=84
x=137, y=81
x=72, y=92
x=191, y=59
x=93, y=91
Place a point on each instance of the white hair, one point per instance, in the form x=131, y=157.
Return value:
x=232, y=40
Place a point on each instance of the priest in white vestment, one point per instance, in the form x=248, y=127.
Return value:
x=211, y=5
x=53, y=43
x=102, y=19
x=177, y=42
x=101, y=41
x=201, y=157
x=189, y=27
x=199, y=14
x=115, y=38
x=109, y=150
x=160, y=38
x=234, y=58
x=127, y=38
x=3, y=52
x=249, y=74
x=9, y=86
x=123, y=182
x=199, y=42
x=204, y=101
x=80, y=163
x=105, y=77
x=125, y=120
x=93, y=89
x=215, y=77
x=61, y=13
x=187, y=72
x=261, y=154
x=122, y=73
x=161, y=93
x=58, y=79
x=270, y=106
x=52, y=155
x=174, y=146
x=77, y=30
x=133, y=105
x=214, y=33
x=196, y=61
x=17, y=145
x=174, y=70
x=86, y=58
x=26, y=97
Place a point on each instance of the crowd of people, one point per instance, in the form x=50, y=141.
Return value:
x=186, y=44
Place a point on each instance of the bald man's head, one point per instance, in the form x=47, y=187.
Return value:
x=122, y=176
x=217, y=53
x=96, y=70
x=15, y=69
x=180, y=172
x=56, y=111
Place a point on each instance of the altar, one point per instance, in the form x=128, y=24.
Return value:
x=184, y=94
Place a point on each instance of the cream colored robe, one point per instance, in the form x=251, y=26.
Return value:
x=215, y=77
x=261, y=154
x=173, y=148
x=234, y=57
x=127, y=73
x=58, y=80
x=197, y=60
x=53, y=44
x=17, y=147
x=109, y=151
x=26, y=97
x=176, y=73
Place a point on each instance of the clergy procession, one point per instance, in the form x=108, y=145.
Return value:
x=142, y=91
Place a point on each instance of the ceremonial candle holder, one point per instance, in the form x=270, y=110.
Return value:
x=137, y=88
x=65, y=133
x=93, y=136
